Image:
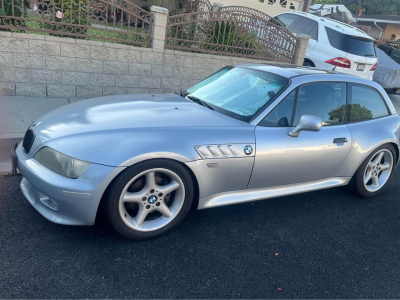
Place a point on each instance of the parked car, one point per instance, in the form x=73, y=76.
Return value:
x=390, y=51
x=248, y=132
x=333, y=45
x=387, y=73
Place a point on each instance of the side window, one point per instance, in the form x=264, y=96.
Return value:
x=281, y=116
x=364, y=103
x=314, y=33
x=305, y=26
x=324, y=100
x=287, y=19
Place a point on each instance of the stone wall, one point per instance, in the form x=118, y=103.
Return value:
x=42, y=65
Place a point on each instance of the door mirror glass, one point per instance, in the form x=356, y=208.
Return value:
x=307, y=123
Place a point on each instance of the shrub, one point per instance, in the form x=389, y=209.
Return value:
x=18, y=12
x=228, y=33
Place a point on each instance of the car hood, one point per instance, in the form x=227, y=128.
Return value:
x=129, y=111
x=113, y=130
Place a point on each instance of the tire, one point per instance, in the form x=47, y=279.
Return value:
x=308, y=63
x=137, y=202
x=369, y=188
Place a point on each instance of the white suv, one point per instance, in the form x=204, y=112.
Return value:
x=333, y=45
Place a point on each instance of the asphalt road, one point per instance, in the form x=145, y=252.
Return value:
x=329, y=244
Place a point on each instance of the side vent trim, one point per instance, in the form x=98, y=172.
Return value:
x=224, y=151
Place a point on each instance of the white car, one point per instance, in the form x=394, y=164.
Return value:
x=333, y=45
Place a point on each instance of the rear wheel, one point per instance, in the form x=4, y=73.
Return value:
x=308, y=63
x=374, y=173
x=149, y=199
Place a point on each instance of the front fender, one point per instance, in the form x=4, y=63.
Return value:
x=125, y=147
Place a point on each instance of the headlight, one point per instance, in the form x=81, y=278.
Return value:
x=60, y=163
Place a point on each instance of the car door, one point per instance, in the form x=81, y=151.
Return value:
x=281, y=159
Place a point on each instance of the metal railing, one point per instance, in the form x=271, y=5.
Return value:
x=109, y=20
x=232, y=31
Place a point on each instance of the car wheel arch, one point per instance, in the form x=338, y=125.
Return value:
x=309, y=61
x=100, y=206
x=391, y=143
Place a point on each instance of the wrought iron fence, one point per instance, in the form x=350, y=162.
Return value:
x=111, y=20
x=232, y=31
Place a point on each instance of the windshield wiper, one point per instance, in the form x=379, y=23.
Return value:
x=199, y=101
x=370, y=55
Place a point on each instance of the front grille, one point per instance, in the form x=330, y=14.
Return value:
x=28, y=140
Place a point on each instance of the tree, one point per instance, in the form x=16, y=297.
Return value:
x=370, y=7
x=355, y=112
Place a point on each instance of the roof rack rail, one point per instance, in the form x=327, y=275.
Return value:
x=347, y=25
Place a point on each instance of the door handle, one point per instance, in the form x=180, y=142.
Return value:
x=340, y=140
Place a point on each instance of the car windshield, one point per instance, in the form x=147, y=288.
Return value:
x=350, y=44
x=238, y=92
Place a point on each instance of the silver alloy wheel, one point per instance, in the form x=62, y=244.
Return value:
x=378, y=170
x=152, y=199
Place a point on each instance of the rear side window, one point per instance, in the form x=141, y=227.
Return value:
x=287, y=19
x=306, y=26
x=364, y=103
x=350, y=44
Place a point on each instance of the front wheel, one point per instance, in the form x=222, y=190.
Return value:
x=149, y=199
x=375, y=171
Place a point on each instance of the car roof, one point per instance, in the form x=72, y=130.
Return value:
x=288, y=71
x=335, y=25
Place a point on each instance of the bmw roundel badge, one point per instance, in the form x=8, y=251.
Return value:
x=248, y=149
x=36, y=123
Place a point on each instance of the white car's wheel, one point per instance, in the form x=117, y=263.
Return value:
x=374, y=173
x=150, y=198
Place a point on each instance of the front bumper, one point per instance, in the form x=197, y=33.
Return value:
x=63, y=200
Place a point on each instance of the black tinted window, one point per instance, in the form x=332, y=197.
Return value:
x=314, y=33
x=304, y=26
x=350, y=44
x=364, y=103
x=324, y=100
x=287, y=19
x=281, y=116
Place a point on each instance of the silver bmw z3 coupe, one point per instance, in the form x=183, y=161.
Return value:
x=246, y=133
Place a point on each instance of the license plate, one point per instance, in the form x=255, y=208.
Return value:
x=360, y=67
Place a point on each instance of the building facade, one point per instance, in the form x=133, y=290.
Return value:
x=380, y=26
x=270, y=7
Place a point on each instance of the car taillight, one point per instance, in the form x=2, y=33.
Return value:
x=340, y=62
x=374, y=67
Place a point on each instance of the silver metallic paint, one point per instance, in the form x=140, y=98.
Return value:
x=224, y=151
x=232, y=174
x=282, y=159
x=40, y=181
x=241, y=196
x=116, y=132
x=306, y=123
